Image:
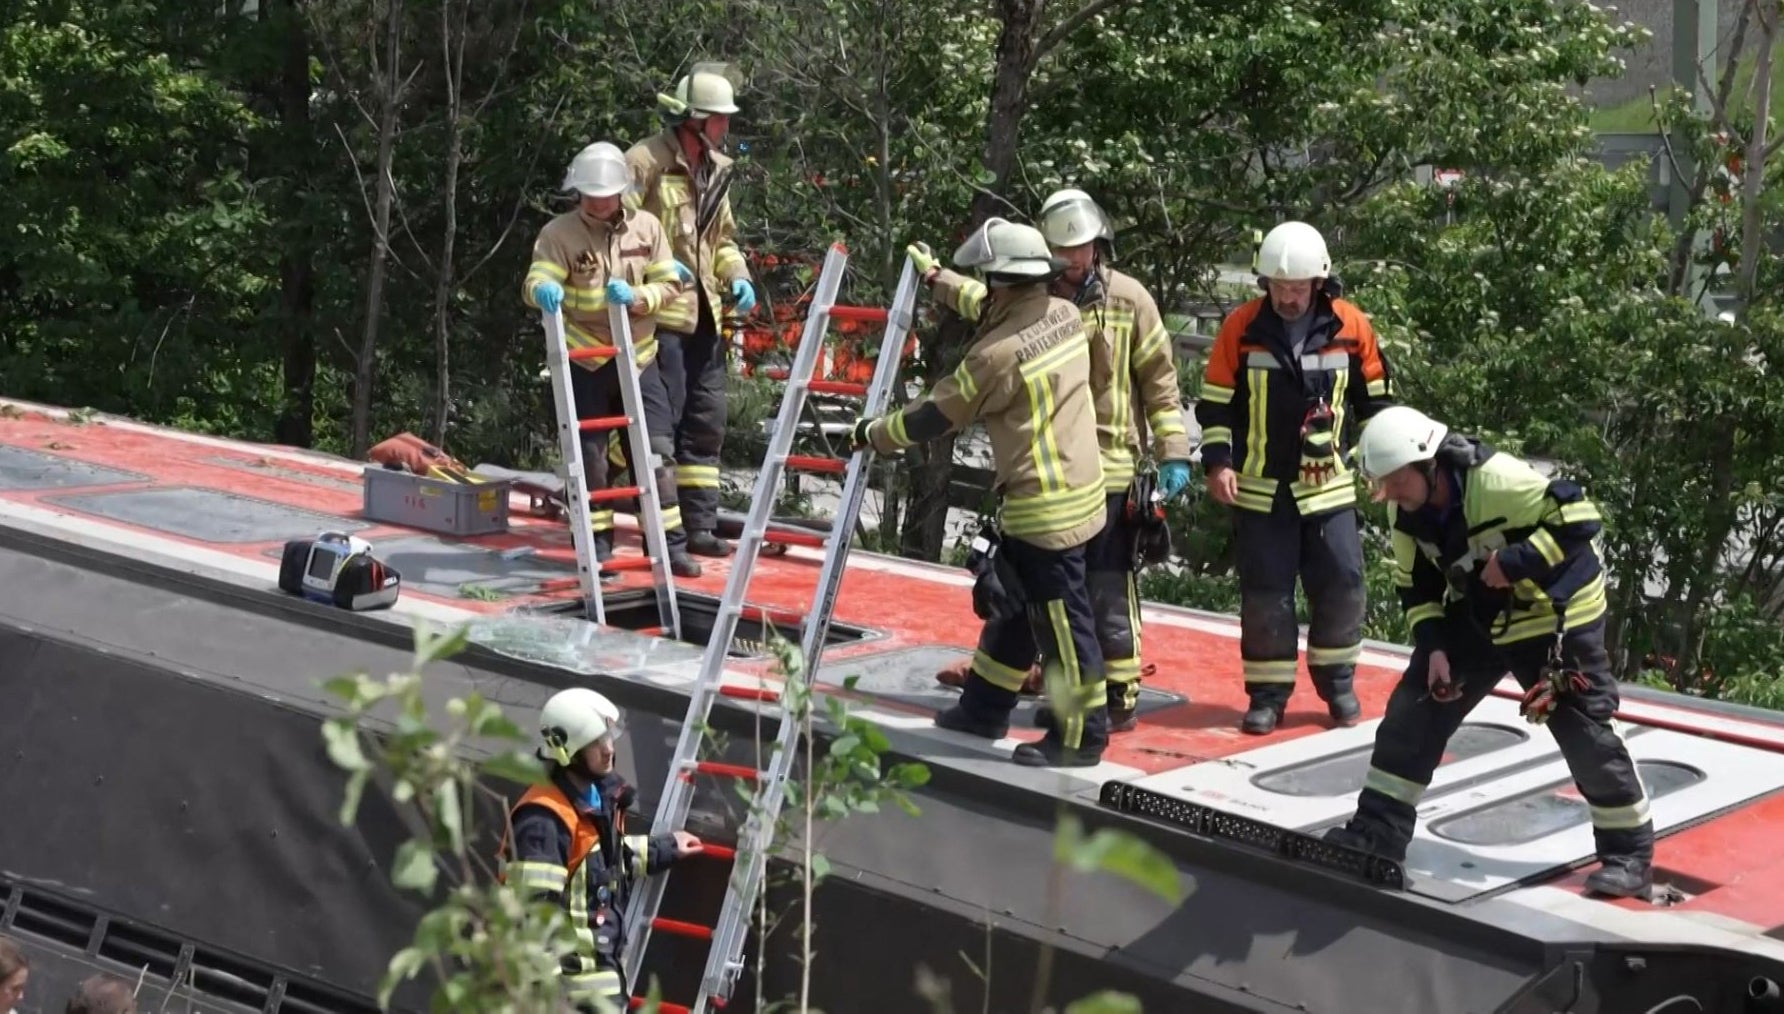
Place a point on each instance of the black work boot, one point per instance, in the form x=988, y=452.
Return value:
x=1261, y=719
x=1622, y=877
x=683, y=565
x=603, y=546
x=983, y=709
x=1367, y=837
x=1345, y=709
x=1049, y=752
x=707, y=544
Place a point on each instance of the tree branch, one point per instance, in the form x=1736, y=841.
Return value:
x=1072, y=23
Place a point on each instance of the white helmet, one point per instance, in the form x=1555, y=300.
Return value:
x=706, y=90
x=599, y=170
x=1071, y=218
x=1293, y=252
x=1002, y=247
x=573, y=719
x=1395, y=437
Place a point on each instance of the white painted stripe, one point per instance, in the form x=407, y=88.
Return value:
x=1658, y=925
x=190, y=559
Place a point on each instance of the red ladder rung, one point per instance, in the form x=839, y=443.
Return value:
x=809, y=463
x=837, y=387
x=749, y=693
x=615, y=493
x=874, y=314
x=795, y=537
x=598, y=352
x=719, y=851
x=606, y=422
x=624, y=563
x=682, y=929
x=726, y=770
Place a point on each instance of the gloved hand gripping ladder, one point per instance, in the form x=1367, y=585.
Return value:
x=644, y=467
x=728, y=933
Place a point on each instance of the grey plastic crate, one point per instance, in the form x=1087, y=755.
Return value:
x=434, y=505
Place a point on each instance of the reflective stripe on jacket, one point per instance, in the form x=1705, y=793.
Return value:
x=583, y=254
x=1256, y=394
x=667, y=187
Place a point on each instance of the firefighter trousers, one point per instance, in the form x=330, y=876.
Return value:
x=1416, y=728
x=1057, y=624
x=1325, y=552
x=597, y=394
x=693, y=368
x=1115, y=603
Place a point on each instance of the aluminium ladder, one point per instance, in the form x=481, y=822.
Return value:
x=578, y=498
x=729, y=932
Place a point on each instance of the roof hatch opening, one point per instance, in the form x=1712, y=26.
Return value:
x=1551, y=808
x=1341, y=774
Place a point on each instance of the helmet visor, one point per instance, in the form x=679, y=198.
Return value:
x=599, y=176
x=1074, y=223
x=976, y=252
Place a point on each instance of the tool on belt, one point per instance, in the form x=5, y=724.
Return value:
x=997, y=590
x=1319, y=446
x=1144, y=515
x=1554, y=680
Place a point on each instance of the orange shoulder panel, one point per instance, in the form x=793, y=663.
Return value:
x=1223, y=358
x=583, y=835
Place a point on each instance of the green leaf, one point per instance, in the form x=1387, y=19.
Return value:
x=1119, y=853
x=413, y=867
x=843, y=745
x=515, y=767
x=341, y=735
x=355, y=788
x=449, y=815
x=350, y=689
x=820, y=867
x=1107, y=1002
x=910, y=775
x=433, y=646
x=404, y=965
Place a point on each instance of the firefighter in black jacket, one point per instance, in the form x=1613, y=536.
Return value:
x=1290, y=377
x=1497, y=571
x=570, y=843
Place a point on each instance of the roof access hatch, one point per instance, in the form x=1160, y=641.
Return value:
x=1501, y=809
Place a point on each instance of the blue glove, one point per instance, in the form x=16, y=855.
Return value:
x=621, y=293
x=744, y=294
x=549, y=295
x=683, y=272
x=1172, y=477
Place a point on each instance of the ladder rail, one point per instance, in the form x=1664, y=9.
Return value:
x=731, y=932
x=677, y=797
x=644, y=471
x=557, y=354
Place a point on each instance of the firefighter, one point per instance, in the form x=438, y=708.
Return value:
x=1497, y=570
x=1134, y=380
x=569, y=843
x=1027, y=376
x=1291, y=376
x=599, y=253
x=683, y=178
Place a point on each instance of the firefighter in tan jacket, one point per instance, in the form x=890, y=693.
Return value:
x=1027, y=376
x=1135, y=382
x=683, y=179
x=585, y=259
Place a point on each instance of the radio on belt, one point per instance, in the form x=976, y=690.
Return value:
x=338, y=569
